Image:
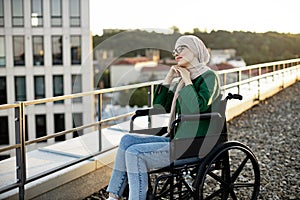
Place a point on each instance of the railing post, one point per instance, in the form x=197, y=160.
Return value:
x=239, y=80
x=150, y=92
x=258, y=83
x=99, y=119
x=20, y=151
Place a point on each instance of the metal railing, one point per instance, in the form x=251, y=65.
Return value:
x=231, y=78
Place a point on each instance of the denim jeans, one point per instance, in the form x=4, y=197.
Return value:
x=135, y=156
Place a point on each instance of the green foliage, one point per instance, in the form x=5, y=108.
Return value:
x=138, y=97
x=253, y=47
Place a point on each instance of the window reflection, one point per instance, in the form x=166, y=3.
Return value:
x=38, y=50
x=75, y=50
x=57, y=50
x=36, y=12
x=20, y=88
x=56, y=13
x=74, y=13
x=17, y=13
x=19, y=50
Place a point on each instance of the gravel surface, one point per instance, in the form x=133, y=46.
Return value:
x=272, y=130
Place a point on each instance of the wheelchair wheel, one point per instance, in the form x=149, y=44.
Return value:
x=230, y=171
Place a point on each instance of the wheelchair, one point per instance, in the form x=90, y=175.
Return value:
x=208, y=167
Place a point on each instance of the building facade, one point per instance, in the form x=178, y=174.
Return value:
x=45, y=51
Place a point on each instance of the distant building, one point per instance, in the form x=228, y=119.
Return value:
x=219, y=56
x=125, y=71
x=45, y=50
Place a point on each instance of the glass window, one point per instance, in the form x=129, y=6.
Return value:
x=76, y=87
x=77, y=121
x=58, y=87
x=36, y=13
x=17, y=13
x=59, y=125
x=3, y=92
x=74, y=13
x=20, y=88
x=2, y=52
x=40, y=126
x=57, y=50
x=1, y=13
x=19, y=51
x=56, y=13
x=75, y=50
x=4, y=135
x=39, y=87
x=38, y=50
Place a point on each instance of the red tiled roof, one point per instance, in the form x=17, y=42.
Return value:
x=131, y=61
x=159, y=67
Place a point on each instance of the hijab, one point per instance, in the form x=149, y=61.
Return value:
x=201, y=53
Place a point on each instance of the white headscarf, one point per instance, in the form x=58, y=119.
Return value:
x=195, y=45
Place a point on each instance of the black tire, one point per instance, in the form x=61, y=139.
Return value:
x=230, y=171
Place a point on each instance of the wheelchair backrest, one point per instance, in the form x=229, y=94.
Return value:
x=182, y=148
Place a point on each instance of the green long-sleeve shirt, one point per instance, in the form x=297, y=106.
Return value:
x=196, y=98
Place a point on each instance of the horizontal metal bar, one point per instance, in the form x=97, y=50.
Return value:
x=8, y=106
x=2, y=149
x=95, y=92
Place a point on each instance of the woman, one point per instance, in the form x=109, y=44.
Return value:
x=194, y=92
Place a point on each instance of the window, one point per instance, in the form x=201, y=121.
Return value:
x=39, y=87
x=75, y=50
x=57, y=50
x=58, y=87
x=76, y=87
x=1, y=13
x=17, y=13
x=59, y=125
x=19, y=50
x=38, y=50
x=2, y=51
x=36, y=13
x=56, y=13
x=3, y=93
x=4, y=136
x=40, y=126
x=20, y=88
x=77, y=121
x=74, y=13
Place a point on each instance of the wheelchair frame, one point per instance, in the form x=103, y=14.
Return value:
x=224, y=170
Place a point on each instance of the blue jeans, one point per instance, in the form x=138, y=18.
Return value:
x=136, y=155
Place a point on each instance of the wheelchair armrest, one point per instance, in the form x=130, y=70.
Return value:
x=145, y=112
x=195, y=117
x=203, y=116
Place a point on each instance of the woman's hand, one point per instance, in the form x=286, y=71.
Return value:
x=173, y=73
x=185, y=75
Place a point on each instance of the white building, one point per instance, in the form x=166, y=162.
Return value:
x=228, y=56
x=45, y=51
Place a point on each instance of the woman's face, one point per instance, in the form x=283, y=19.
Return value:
x=183, y=56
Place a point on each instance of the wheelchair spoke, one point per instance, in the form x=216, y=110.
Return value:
x=217, y=178
x=239, y=169
x=232, y=194
x=215, y=194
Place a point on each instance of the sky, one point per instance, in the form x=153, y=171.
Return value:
x=232, y=15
